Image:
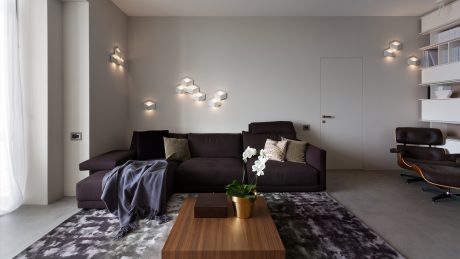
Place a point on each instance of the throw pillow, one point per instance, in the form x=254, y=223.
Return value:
x=276, y=150
x=295, y=151
x=150, y=144
x=176, y=149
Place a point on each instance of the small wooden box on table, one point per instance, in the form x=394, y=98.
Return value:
x=221, y=238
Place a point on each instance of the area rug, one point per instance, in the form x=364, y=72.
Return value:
x=311, y=225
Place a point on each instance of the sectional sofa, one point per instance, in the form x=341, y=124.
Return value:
x=216, y=161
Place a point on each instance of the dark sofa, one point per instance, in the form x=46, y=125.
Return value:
x=216, y=161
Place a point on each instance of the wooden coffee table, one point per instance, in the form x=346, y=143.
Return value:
x=215, y=238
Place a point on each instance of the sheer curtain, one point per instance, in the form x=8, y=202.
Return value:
x=13, y=167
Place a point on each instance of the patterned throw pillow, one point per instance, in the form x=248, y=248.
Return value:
x=276, y=150
x=295, y=151
x=176, y=149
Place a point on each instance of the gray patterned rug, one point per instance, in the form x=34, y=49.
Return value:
x=311, y=225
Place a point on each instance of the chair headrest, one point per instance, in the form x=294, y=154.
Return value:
x=419, y=136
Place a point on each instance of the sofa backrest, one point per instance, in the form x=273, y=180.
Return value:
x=272, y=127
x=226, y=145
x=259, y=132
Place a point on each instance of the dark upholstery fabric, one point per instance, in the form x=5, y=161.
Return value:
x=257, y=141
x=177, y=135
x=284, y=174
x=275, y=127
x=150, y=145
x=107, y=161
x=223, y=145
x=90, y=188
x=423, y=153
x=443, y=175
x=209, y=171
x=419, y=136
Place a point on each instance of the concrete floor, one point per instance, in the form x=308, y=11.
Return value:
x=400, y=213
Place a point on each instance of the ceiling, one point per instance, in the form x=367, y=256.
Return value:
x=275, y=7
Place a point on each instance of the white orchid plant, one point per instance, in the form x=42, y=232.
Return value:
x=239, y=189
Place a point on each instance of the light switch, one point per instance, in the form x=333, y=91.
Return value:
x=75, y=136
x=306, y=127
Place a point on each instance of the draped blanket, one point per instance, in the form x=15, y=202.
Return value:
x=134, y=191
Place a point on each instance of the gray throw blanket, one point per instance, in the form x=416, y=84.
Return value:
x=134, y=191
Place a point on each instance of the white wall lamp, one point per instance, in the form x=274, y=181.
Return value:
x=221, y=95
x=214, y=103
x=199, y=97
x=413, y=61
x=116, y=57
x=395, y=45
x=389, y=53
x=217, y=100
x=150, y=105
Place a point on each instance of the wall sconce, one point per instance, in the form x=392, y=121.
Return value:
x=150, y=105
x=221, y=95
x=181, y=89
x=192, y=89
x=214, y=103
x=116, y=57
x=389, y=53
x=199, y=97
x=413, y=61
x=395, y=45
x=187, y=81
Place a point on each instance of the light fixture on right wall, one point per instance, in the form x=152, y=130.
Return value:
x=389, y=53
x=395, y=45
x=413, y=61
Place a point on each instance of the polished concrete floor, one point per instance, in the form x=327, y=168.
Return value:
x=400, y=213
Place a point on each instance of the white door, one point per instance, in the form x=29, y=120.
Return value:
x=342, y=112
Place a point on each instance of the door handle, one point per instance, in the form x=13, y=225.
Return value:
x=328, y=117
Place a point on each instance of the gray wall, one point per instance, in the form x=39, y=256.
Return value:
x=55, y=105
x=270, y=67
x=108, y=82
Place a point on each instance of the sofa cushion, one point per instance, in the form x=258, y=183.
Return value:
x=202, y=171
x=274, y=127
x=275, y=150
x=295, y=151
x=150, y=145
x=257, y=141
x=90, y=188
x=223, y=145
x=285, y=174
x=176, y=149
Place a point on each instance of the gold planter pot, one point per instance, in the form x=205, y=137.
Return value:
x=243, y=206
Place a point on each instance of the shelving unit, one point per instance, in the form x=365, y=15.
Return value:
x=441, y=69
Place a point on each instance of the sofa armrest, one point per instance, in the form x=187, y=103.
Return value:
x=316, y=157
x=107, y=161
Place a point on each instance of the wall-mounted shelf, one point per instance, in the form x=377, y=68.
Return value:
x=447, y=82
x=441, y=73
x=436, y=45
x=435, y=21
x=441, y=110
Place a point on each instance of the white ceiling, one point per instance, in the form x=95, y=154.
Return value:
x=275, y=7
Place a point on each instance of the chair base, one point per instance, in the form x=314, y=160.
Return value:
x=442, y=194
x=412, y=178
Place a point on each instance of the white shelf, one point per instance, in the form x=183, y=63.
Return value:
x=435, y=21
x=442, y=73
x=441, y=110
x=435, y=46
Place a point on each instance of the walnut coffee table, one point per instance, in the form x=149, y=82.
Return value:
x=215, y=238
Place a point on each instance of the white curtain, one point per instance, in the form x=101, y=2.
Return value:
x=13, y=167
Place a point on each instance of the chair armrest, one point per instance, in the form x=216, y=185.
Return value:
x=452, y=157
x=107, y=161
x=316, y=157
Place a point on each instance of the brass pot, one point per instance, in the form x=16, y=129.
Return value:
x=243, y=206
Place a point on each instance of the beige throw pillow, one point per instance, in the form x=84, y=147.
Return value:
x=176, y=149
x=276, y=150
x=295, y=151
